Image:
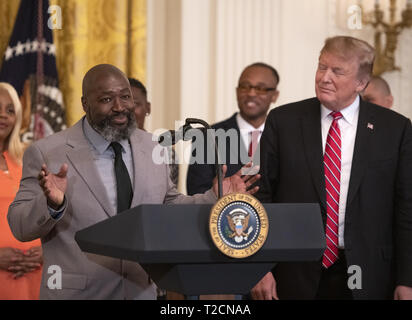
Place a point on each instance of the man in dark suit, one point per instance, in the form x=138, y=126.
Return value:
x=256, y=91
x=354, y=158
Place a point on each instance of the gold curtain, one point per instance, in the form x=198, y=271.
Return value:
x=8, y=13
x=93, y=32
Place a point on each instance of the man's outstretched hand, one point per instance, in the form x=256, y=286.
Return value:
x=53, y=185
x=240, y=182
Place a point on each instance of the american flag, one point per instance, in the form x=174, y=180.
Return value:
x=29, y=64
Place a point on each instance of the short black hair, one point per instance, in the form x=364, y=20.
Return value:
x=138, y=84
x=265, y=65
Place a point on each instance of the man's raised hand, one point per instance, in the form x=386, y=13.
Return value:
x=53, y=185
x=240, y=182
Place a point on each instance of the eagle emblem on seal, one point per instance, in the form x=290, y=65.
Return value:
x=238, y=220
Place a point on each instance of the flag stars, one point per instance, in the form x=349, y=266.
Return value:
x=43, y=46
x=27, y=46
x=19, y=49
x=9, y=53
x=52, y=49
x=30, y=47
x=34, y=46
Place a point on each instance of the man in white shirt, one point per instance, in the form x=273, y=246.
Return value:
x=256, y=91
x=355, y=159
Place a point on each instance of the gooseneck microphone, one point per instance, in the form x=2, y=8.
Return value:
x=171, y=137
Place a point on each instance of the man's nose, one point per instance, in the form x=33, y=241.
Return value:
x=252, y=91
x=117, y=105
x=326, y=77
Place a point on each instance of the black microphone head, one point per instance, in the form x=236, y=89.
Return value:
x=171, y=137
x=167, y=139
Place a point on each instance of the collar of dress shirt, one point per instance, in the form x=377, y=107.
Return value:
x=99, y=143
x=245, y=126
x=348, y=113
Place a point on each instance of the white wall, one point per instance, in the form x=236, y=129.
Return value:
x=197, y=49
x=399, y=81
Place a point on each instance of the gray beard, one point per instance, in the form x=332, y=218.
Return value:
x=112, y=134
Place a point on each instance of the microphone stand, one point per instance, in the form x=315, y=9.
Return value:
x=187, y=126
x=218, y=165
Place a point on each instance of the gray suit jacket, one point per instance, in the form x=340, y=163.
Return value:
x=87, y=276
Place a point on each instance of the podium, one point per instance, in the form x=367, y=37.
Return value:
x=172, y=243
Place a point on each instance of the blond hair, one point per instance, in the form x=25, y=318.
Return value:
x=14, y=145
x=348, y=48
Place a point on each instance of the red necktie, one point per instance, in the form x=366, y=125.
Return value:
x=253, y=142
x=332, y=166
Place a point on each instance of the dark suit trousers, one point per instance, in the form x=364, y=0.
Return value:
x=333, y=284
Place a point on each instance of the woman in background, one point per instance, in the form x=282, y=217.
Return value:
x=20, y=262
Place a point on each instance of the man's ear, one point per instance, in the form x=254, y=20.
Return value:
x=84, y=104
x=275, y=96
x=362, y=84
x=148, y=108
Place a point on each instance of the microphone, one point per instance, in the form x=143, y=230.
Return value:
x=171, y=137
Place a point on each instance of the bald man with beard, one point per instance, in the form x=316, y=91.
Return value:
x=85, y=190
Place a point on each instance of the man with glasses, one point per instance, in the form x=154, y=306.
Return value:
x=256, y=91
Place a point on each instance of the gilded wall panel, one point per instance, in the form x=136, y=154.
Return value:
x=93, y=32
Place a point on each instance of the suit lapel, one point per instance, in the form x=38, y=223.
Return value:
x=312, y=140
x=361, y=150
x=82, y=161
x=242, y=153
x=235, y=154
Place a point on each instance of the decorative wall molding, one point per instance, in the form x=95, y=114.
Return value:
x=217, y=39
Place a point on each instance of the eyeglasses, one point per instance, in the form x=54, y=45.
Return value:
x=244, y=88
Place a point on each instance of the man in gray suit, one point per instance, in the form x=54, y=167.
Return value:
x=85, y=190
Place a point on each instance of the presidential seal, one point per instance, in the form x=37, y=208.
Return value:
x=238, y=225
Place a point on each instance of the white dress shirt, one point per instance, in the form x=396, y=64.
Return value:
x=103, y=155
x=348, y=126
x=245, y=130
